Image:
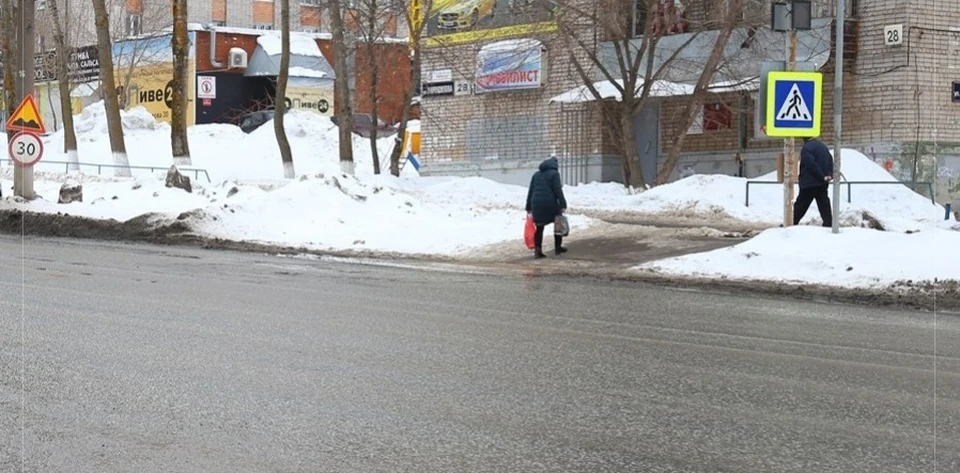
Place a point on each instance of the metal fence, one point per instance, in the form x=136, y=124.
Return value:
x=575, y=143
x=100, y=167
x=850, y=184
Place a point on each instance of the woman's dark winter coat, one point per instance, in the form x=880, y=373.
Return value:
x=545, y=196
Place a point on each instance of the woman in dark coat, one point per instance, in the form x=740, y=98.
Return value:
x=545, y=202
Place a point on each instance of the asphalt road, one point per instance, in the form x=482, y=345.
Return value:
x=132, y=358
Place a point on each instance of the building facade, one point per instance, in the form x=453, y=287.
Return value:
x=900, y=107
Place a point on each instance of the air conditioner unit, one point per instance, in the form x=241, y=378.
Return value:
x=237, y=58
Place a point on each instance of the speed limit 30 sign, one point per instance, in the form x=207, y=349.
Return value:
x=26, y=148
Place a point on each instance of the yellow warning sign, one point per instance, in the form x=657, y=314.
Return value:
x=27, y=117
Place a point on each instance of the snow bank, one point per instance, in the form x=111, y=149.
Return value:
x=341, y=212
x=226, y=152
x=856, y=257
x=714, y=196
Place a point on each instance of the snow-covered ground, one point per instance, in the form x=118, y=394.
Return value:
x=325, y=210
x=854, y=258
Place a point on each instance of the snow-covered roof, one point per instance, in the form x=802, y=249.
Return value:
x=256, y=32
x=300, y=45
x=306, y=59
x=659, y=89
x=299, y=71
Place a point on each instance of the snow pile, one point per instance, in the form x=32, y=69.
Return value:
x=856, y=257
x=224, y=151
x=894, y=206
x=337, y=212
x=105, y=198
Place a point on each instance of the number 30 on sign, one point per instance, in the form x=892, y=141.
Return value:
x=26, y=148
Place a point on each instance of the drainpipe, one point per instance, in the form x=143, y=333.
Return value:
x=213, y=46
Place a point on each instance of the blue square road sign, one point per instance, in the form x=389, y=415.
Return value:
x=794, y=104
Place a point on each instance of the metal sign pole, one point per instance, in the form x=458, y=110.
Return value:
x=789, y=147
x=25, y=35
x=838, y=113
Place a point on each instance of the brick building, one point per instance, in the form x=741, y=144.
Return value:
x=897, y=99
x=236, y=24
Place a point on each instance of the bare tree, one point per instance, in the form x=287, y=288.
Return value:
x=728, y=22
x=109, y=85
x=343, y=108
x=636, y=60
x=280, y=101
x=633, y=74
x=8, y=10
x=415, y=18
x=63, y=85
x=178, y=115
x=372, y=18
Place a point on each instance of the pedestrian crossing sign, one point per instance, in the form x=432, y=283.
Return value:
x=794, y=103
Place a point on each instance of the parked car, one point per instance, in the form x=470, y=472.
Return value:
x=464, y=13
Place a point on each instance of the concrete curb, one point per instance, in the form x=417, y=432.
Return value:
x=158, y=229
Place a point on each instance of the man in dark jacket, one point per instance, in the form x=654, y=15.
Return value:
x=816, y=172
x=545, y=202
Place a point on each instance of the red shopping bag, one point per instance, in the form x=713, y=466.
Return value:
x=528, y=232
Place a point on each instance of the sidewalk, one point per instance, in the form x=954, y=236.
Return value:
x=614, y=246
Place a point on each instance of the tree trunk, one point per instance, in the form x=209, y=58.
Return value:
x=280, y=101
x=374, y=116
x=632, y=171
x=405, y=113
x=9, y=57
x=696, y=101
x=178, y=113
x=109, y=85
x=343, y=109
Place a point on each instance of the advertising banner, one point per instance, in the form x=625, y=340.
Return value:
x=144, y=72
x=467, y=21
x=511, y=65
x=315, y=95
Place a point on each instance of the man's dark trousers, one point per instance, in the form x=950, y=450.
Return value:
x=806, y=197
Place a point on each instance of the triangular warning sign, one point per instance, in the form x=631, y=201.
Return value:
x=27, y=117
x=794, y=107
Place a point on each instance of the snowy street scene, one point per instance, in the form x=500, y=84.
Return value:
x=890, y=235
x=677, y=236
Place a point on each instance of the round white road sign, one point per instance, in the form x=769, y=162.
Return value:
x=26, y=148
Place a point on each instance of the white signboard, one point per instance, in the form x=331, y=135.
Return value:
x=206, y=87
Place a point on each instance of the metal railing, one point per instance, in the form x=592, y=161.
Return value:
x=196, y=171
x=849, y=184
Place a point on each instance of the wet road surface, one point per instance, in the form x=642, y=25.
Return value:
x=121, y=357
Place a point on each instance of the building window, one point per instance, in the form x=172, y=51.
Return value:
x=717, y=117
x=219, y=23
x=133, y=24
x=311, y=30
x=315, y=3
x=262, y=26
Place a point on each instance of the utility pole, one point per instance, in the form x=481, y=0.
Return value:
x=789, y=145
x=838, y=111
x=26, y=44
